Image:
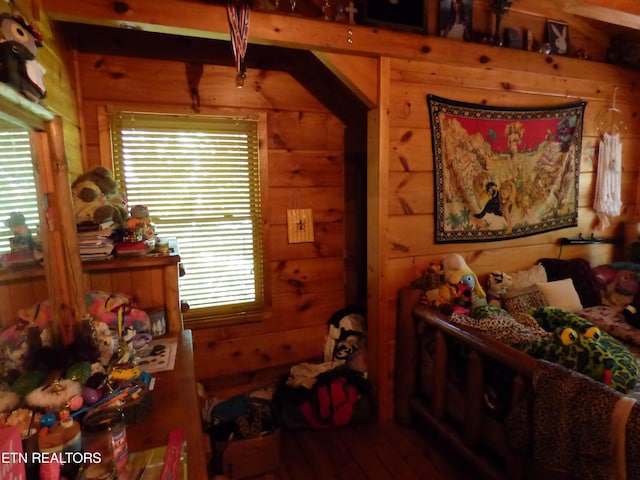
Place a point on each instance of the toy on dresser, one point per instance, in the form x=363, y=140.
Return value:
x=47, y=391
x=140, y=221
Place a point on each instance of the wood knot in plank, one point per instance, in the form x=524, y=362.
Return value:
x=406, y=136
x=506, y=85
x=400, y=247
x=548, y=60
x=425, y=49
x=277, y=139
x=405, y=163
x=484, y=59
x=295, y=283
x=304, y=307
x=406, y=208
x=120, y=7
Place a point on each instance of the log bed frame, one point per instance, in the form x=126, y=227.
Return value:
x=432, y=400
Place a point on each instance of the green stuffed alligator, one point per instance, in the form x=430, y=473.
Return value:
x=582, y=346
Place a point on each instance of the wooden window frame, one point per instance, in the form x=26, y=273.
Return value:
x=106, y=159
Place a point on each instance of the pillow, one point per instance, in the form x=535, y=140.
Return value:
x=578, y=270
x=521, y=301
x=561, y=294
x=525, y=279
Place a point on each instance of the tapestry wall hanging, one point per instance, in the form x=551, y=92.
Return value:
x=503, y=172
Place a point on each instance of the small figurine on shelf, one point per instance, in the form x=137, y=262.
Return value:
x=140, y=221
x=22, y=241
x=499, y=9
x=21, y=244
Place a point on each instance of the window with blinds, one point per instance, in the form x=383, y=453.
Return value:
x=199, y=177
x=17, y=183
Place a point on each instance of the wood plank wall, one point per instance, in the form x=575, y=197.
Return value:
x=410, y=247
x=510, y=78
x=305, y=156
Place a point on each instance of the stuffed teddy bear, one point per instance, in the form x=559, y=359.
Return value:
x=96, y=198
x=19, y=44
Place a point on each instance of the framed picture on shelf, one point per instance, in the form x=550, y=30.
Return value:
x=455, y=19
x=401, y=15
x=558, y=35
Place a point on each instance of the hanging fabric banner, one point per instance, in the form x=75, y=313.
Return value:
x=238, y=16
x=504, y=172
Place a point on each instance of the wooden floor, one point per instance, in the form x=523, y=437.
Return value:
x=375, y=451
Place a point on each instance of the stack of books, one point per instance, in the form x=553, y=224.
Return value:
x=94, y=240
x=135, y=248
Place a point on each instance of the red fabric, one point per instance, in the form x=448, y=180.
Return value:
x=335, y=403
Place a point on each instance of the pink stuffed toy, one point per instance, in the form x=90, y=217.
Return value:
x=462, y=299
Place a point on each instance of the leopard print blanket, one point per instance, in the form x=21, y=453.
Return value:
x=568, y=435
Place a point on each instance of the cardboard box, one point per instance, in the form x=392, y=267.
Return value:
x=249, y=457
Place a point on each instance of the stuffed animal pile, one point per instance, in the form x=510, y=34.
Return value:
x=451, y=286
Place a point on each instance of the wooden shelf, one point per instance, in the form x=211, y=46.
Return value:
x=145, y=261
x=150, y=280
x=21, y=273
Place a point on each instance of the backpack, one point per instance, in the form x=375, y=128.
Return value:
x=339, y=397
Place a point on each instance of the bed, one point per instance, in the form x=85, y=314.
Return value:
x=494, y=404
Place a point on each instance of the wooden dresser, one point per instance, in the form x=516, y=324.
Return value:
x=175, y=405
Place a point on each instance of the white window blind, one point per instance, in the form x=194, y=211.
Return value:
x=199, y=177
x=17, y=183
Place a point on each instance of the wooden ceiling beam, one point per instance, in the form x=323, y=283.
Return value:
x=198, y=19
x=319, y=80
x=607, y=11
x=627, y=6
